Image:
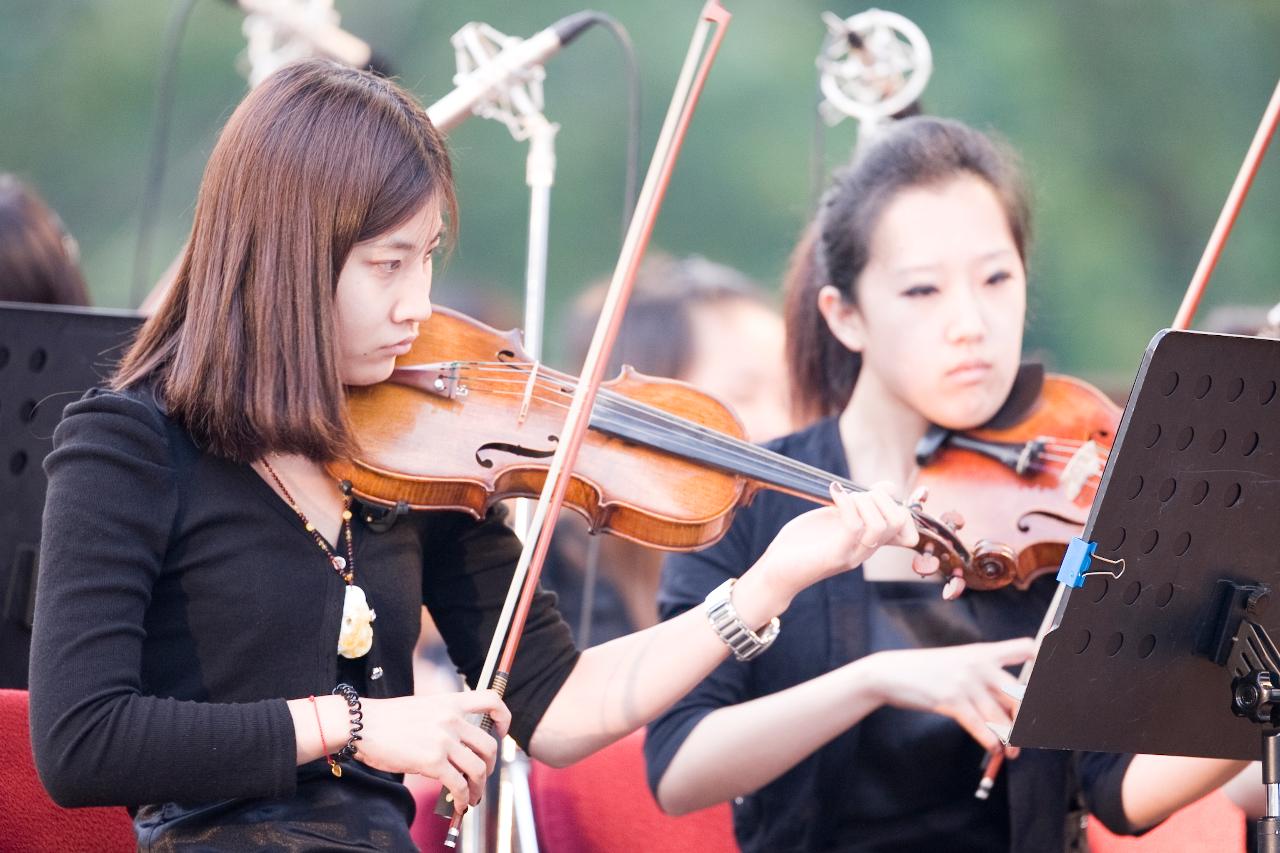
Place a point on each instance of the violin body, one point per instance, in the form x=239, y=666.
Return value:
x=1026, y=491
x=482, y=427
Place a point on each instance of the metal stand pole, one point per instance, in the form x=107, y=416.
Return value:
x=515, y=807
x=516, y=828
x=473, y=826
x=518, y=106
x=540, y=175
x=1269, y=825
x=522, y=798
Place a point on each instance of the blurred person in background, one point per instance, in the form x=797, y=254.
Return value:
x=703, y=323
x=39, y=260
x=689, y=319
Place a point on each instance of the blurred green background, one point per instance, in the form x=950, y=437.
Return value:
x=1132, y=119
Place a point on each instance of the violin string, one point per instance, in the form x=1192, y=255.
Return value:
x=811, y=483
x=745, y=459
x=1055, y=457
x=1044, y=460
x=1049, y=443
x=1090, y=479
x=1060, y=464
x=518, y=368
x=659, y=427
x=1093, y=478
x=622, y=402
x=734, y=452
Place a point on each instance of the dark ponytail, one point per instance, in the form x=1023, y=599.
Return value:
x=822, y=371
x=835, y=247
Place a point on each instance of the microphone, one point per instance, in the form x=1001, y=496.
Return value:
x=280, y=31
x=475, y=86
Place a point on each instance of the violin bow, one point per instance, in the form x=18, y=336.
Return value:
x=1227, y=219
x=524, y=583
x=1190, y=301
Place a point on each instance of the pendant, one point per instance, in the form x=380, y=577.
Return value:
x=356, y=637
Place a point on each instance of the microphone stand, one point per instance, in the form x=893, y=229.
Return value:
x=519, y=106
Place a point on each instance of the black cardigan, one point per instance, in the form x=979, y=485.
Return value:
x=814, y=806
x=181, y=602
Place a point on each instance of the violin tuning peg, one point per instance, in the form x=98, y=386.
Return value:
x=953, y=519
x=917, y=498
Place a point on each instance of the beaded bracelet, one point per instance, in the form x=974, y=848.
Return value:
x=346, y=691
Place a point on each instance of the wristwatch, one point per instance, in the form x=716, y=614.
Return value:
x=741, y=640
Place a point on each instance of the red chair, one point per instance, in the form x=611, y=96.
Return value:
x=1213, y=823
x=32, y=822
x=602, y=804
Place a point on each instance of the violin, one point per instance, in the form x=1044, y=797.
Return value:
x=467, y=419
x=1027, y=480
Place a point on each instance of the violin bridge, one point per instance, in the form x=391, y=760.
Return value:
x=1083, y=464
x=528, y=393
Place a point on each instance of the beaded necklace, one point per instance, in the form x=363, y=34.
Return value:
x=356, y=636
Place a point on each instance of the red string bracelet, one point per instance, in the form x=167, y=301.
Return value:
x=334, y=767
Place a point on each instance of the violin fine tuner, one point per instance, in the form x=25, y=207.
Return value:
x=440, y=378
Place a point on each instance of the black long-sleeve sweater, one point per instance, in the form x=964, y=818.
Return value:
x=181, y=603
x=899, y=780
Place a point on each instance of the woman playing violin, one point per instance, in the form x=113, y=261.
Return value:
x=223, y=641
x=864, y=725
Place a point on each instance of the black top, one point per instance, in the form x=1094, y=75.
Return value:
x=181, y=602
x=912, y=615
x=899, y=780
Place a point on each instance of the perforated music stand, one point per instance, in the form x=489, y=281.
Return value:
x=1156, y=660
x=49, y=356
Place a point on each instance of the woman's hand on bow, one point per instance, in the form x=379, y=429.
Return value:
x=967, y=683
x=436, y=736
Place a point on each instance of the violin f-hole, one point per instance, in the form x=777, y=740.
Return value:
x=1024, y=523
x=516, y=450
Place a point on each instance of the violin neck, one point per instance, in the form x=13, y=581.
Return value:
x=650, y=427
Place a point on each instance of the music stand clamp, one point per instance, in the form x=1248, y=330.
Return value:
x=1237, y=641
x=1189, y=494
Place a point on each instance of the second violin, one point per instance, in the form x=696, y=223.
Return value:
x=1027, y=479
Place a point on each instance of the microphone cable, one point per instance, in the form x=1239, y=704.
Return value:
x=632, y=79
x=591, y=567
x=158, y=149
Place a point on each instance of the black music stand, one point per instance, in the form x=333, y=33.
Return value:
x=49, y=356
x=1173, y=656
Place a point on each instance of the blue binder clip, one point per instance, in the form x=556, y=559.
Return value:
x=1075, y=563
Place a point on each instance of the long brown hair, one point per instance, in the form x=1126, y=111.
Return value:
x=37, y=256
x=835, y=247
x=242, y=352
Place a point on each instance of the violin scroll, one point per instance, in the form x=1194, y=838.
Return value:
x=938, y=539
x=994, y=565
